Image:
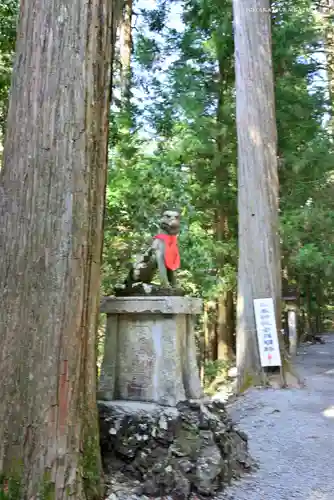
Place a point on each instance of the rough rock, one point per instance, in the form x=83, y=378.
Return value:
x=157, y=451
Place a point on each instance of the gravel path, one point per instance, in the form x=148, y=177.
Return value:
x=290, y=434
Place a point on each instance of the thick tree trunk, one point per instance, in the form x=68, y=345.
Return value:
x=51, y=211
x=259, y=253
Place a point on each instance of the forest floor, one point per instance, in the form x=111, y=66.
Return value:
x=291, y=433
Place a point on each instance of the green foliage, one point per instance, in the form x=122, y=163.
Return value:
x=8, y=20
x=174, y=143
x=192, y=162
x=10, y=488
x=305, y=150
x=214, y=369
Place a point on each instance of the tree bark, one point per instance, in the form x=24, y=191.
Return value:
x=225, y=326
x=326, y=9
x=329, y=47
x=51, y=212
x=126, y=50
x=259, y=252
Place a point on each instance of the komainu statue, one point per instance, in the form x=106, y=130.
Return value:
x=162, y=258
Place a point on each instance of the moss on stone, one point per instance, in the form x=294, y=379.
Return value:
x=247, y=383
x=187, y=441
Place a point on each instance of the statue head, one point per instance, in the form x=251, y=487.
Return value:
x=170, y=222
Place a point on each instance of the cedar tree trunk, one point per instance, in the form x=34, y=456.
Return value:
x=259, y=252
x=51, y=211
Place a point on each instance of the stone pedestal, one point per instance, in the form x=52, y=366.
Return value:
x=150, y=352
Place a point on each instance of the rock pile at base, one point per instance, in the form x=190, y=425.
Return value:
x=159, y=451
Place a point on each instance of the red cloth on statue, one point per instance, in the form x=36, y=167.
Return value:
x=172, y=256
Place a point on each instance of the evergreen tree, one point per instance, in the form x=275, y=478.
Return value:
x=51, y=217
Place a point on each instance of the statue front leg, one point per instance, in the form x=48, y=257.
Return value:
x=163, y=273
x=171, y=278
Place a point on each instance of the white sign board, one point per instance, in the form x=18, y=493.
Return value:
x=267, y=332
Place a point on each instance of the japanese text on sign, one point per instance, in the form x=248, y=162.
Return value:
x=267, y=332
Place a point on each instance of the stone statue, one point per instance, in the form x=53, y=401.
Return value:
x=155, y=425
x=162, y=256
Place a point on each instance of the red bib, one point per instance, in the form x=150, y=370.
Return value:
x=172, y=256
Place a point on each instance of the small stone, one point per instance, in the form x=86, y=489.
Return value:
x=232, y=372
x=186, y=466
x=194, y=404
x=163, y=424
x=112, y=497
x=243, y=435
x=177, y=452
x=209, y=466
x=150, y=488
